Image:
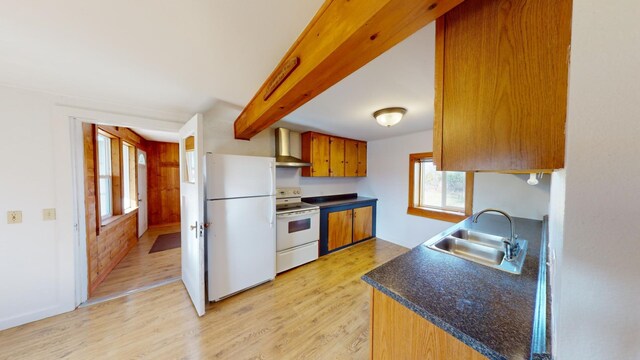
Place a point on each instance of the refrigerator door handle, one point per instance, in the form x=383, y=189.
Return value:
x=273, y=211
x=272, y=177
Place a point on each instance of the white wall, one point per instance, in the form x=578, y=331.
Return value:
x=556, y=234
x=219, y=138
x=38, y=259
x=388, y=180
x=598, y=297
x=33, y=282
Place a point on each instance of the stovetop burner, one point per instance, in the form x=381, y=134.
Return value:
x=289, y=200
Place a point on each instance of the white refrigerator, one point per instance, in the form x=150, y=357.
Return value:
x=241, y=237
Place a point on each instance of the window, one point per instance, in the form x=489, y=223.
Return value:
x=105, y=177
x=128, y=176
x=190, y=157
x=442, y=195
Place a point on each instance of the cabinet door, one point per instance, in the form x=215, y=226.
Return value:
x=399, y=333
x=350, y=158
x=501, y=93
x=340, y=228
x=336, y=157
x=319, y=155
x=362, y=158
x=362, y=223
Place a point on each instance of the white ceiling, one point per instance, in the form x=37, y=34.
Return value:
x=183, y=56
x=402, y=76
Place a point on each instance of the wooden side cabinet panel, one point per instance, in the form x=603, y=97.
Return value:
x=362, y=223
x=340, y=228
x=501, y=85
x=315, y=149
x=336, y=157
x=350, y=158
x=399, y=333
x=362, y=158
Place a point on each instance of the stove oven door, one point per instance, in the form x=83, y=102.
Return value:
x=297, y=228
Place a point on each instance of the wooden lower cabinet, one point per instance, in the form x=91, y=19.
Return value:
x=349, y=226
x=344, y=225
x=362, y=223
x=340, y=228
x=399, y=333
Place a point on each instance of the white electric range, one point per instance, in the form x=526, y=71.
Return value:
x=297, y=230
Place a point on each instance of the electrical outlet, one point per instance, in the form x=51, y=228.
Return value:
x=14, y=217
x=48, y=214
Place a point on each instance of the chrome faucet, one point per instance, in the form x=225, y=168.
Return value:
x=511, y=247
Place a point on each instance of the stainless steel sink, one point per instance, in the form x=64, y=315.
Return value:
x=479, y=247
x=482, y=254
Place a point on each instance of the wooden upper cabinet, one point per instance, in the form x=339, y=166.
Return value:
x=501, y=85
x=362, y=223
x=333, y=156
x=340, y=228
x=351, y=158
x=336, y=156
x=362, y=158
x=315, y=149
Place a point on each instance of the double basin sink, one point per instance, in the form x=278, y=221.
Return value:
x=479, y=247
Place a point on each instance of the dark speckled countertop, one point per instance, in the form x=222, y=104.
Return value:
x=337, y=200
x=490, y=310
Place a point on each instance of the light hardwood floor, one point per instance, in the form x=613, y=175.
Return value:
x=139, y=268
x=316, y=311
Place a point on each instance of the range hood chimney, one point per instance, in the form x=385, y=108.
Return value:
x=283, y=151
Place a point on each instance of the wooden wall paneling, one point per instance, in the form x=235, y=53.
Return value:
x=90, y=194
x=350, y=157
x=362, y=159
x=163, y=183
x=399, y=333
x=340, y=228
x=114, y=242
x=362, y=223
x=125, y=134
x=342, y=37
x=116, y=176
x=97, y=176
x=336, y=157
x=107, y=244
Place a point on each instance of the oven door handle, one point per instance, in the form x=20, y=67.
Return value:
x=299, y=214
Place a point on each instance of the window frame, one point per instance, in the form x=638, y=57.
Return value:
x=444, y=214
x=129, y=177
x=109, y=168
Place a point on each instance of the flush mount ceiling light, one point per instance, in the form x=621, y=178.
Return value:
x=389, y=116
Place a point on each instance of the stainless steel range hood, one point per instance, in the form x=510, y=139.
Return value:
x=283, y=151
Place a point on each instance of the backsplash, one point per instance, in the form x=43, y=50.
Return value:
x=290, y=177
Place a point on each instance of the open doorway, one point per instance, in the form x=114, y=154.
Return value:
x=132, y=210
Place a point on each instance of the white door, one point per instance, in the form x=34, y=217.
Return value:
x=143, y=217
x=242, y=244
x=192, y=210
x=235, y=176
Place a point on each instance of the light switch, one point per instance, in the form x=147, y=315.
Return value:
x=48, y=214
x=14, y=217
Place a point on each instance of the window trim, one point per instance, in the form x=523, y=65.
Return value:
x=118, y=206
x=129, y=168
x=110, y=214
x=444, y=215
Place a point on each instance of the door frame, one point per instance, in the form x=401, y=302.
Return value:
x=72, y=118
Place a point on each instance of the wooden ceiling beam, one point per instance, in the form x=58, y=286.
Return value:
x=343, y=36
